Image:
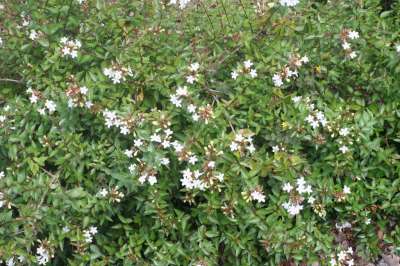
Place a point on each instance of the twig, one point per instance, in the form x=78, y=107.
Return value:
x=12, y=80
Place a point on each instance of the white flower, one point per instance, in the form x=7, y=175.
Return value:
x=42, y=255
x=93, y=230
x=2, y=118
x=191, y=108
x=296, y=99
x=234, y=146
x=142, y=179
x=257, y=196
x=138, y=143
x=103, y=192
x=88, y=104
x=132, y=168
x=192, y=159
x=50, y=105
x=83, y=90
x=275, y=149
x=234, y=74
x=129, y=153
x=251, y=148
x=304, y=59
x=344, y=131
x=353, y=55
x=277, y=79
x=247, y=64
x=344, y=149
x=397, y=48
x=156, y=138
x=288, y=2
x=1, y=42
x=152, y=180
x=194, y=67
x=311, y=200
x=346, y=45
x=33, y=35
x=287, y=187
x=2, y=175
x=175, y=100
x=253, y=73
x=346, y=190
x=353, y=35
x=342, y=256
x=182, y=91
x=164, y=161
x=191, y=79
x=124, y=130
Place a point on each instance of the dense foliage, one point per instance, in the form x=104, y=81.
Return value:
x=202, y=132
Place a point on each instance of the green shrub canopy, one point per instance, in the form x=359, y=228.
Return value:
x=199, y=132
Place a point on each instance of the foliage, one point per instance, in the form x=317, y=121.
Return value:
x=198, y=132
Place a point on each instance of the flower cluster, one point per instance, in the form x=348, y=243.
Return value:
x=193, y=73
x=42, y=255
x=114, y=194
x=117, y=73
x=77, y=96
x=89, y=233
x=296, y=198
x=246, y=69
x=70, y=47
x=256, y=194
x=242, y=142
x=290, y=70
x=343, y=133
x=345, y=36
x=182, y=99
x=344, y=257
x=124, y=124
x=48, y=106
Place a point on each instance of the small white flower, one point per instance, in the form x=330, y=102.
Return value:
x=132, y=168
x=194, y=67
x=344, y=149
x=234, y=74
x=253, y=73
x=296, y=99
x=175, y=100
x=275, y=149
x=2, y=175
x=353, y=35
x=258, y=196
x=346, y=190
x=152, y=180
x=138, y=143
x=155, y=138
x=33, y=35
x=353, y=55
x=344, y=131
x=346, y=45
x=398, y=48
x=191, y=108
x=311, y=200
x=129, y=153
x=234, y=146
x=277, y=79
x=192, y=159
x=182, y=91
x=50, y=105
x=247, y=64
x=287, y=187
x=164, y=161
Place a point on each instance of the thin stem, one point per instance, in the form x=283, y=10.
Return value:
x=11, y=80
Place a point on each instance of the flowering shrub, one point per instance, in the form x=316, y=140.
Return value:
x=199, y=132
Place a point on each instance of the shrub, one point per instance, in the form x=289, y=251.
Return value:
x=199, y=132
